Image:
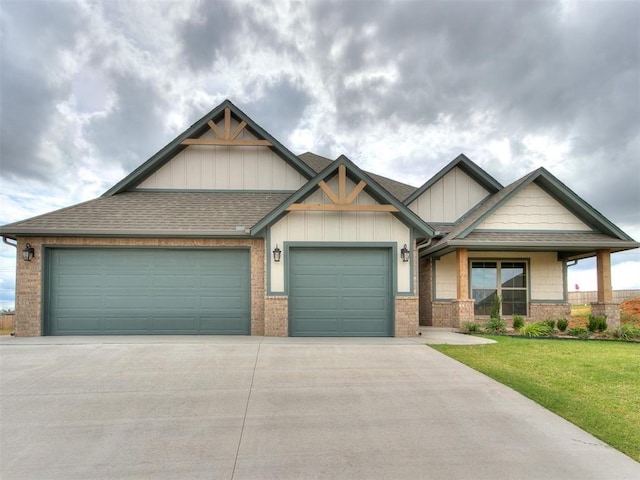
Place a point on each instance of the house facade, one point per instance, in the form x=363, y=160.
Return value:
x=225, y=231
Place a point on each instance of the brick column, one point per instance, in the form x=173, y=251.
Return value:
x=406, y=324
x=609, y=310
x=276, y=316
x=462, y=312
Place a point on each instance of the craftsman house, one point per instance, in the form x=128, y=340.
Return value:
x=225, y=231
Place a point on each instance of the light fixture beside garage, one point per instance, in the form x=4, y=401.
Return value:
x=28, y=252
x=404, y=253
x=277, y=253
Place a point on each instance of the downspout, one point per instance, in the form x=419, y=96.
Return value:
x=6, y=240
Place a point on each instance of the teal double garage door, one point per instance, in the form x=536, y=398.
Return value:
x=340, y=292
x=115, y=291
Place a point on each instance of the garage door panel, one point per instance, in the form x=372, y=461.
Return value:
x=373, y=305
x=221, y=282
x=148, y=291
x=340, y=292
x=124, y=323
x=87, y=280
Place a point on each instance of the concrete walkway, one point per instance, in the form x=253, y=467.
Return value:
x=282, y=408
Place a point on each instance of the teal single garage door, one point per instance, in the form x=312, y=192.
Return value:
x=340, y=292
x=102, y=291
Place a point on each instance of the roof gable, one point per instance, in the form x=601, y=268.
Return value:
x=462, y=162
x=342, y=199
x=226, y=110
x=397, y=189
x=601, y=234
x=557, y=190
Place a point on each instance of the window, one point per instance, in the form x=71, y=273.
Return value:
x=506, y=279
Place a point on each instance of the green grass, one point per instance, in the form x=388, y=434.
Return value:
x=593, y=384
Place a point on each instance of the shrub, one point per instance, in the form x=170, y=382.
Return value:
x=627, y=332
x=562, y=324
x=495, y=326
x=579, y=332
x=551, y=322
x=470, y=327
x=597, y=324
x=536, y=329
x=495, y=307
x=518, y=321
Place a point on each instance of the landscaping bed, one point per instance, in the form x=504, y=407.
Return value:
x=581, y=326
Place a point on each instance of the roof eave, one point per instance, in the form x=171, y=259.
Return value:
x=103, y=232
x=615, y=246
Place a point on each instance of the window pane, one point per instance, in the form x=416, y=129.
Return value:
x=514, y=301
x=512, y=275
x=483, y=299
x=484, y=275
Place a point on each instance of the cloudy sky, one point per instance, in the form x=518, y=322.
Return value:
x=90, y=89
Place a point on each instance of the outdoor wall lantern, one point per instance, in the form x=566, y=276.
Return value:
x=277, y=253
x=404, y=253
x=28, y=252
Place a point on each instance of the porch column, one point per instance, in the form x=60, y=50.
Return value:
x=462, y=305
x=462, y=266
x=604, y=276
x=605, y=307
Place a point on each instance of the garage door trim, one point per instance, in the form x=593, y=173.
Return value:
x=392, y=252
x=48, y=327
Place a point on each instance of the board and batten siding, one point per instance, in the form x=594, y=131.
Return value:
x=215, y=167
x=340, y=226
x=449, y=198
x=533, y=209
x=545, y=273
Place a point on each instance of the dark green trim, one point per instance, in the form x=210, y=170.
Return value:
x=46, y=273
x=393, y=267
x=198, y=128
x=375, y=190
x=467, y=166
x=558, y=302
x=499, y=260
x=189, y=190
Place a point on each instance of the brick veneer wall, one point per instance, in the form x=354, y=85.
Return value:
x=276, y=316
x=406, y=321
x=442, y=314
x=29, y=276
x=542, y=311
x=425, y=279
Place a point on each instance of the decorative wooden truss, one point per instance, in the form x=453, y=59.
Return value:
x=226, y=137
x=341, y=201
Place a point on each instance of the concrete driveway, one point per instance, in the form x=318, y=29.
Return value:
x=254, y=407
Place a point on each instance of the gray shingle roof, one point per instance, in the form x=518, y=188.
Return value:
x=397, y=189
x=155, y=214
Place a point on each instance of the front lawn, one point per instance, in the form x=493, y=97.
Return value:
x=593, y=384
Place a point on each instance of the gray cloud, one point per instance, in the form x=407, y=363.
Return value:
x=32, y=39
x=215, y=30
x=285, y=97
x=134, y=129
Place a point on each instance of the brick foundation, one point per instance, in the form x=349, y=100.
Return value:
x=29, y=276
x=276, y=313
x=406, y=324
x=609, y=310
x=543, y=311
x=442, y=314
